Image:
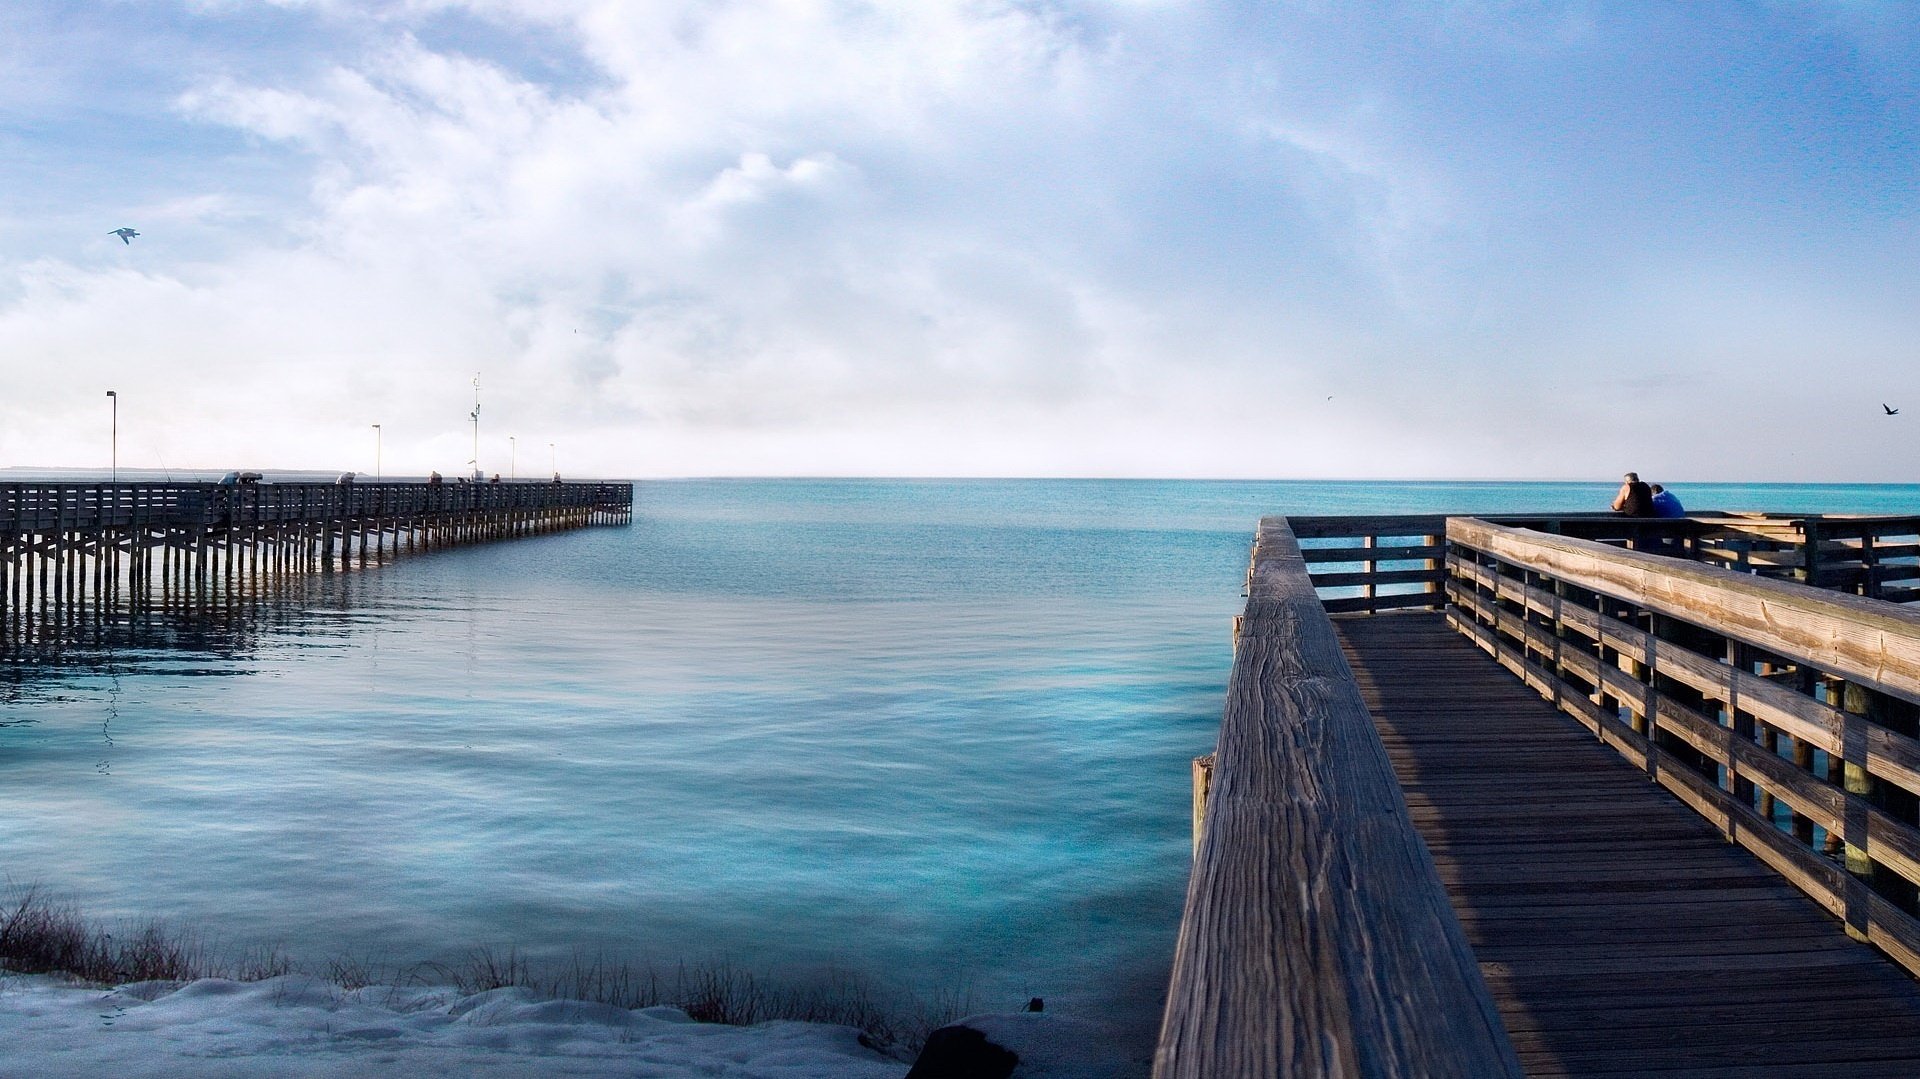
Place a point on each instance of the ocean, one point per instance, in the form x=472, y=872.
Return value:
x=933, y=734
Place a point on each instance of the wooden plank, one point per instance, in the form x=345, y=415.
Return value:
x=1317, y=940
x=1878, y=920
x=1867, y=641
x=1390, y=602
x=1317, y=555
x=1887, y=754
x=1702, y=964
x=1378, y=577
x=1398, y=524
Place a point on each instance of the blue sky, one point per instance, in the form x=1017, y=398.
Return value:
x=1133, y=238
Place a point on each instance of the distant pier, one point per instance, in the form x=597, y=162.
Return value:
x=1576, y=795
x=70, y=552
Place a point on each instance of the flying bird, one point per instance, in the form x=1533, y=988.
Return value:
x=126, y=235
x=1891, y=411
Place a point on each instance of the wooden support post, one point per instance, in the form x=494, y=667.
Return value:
x=1856, y=700
x=1202, y=786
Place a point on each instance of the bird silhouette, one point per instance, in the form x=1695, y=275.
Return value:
x=1891, y=411
x=126, y=235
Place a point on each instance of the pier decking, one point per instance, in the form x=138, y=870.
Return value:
x=1683, y=841
x=72, y=551
x=1619, y=933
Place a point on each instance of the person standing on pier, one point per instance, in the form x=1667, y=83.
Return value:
x=1635, y=498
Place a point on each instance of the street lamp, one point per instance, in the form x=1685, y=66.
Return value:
x=513, y=459
x=116, y=435
x=475, y=414
x=555, y=468
x=376, y=453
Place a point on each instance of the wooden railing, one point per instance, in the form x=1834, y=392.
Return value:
x=1786, y=715
x=31, y=507
x=1374, y=564
x=1368, y=564
x=1317, y=939
x=1864, y=556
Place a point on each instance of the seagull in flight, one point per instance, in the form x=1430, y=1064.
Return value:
x=126, y=235
x=1891, y=411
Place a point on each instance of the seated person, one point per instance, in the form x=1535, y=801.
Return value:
x=1665, y=504
x=1635, y=499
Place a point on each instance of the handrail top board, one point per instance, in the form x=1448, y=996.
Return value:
x=1866, y=640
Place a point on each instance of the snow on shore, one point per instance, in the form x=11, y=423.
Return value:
x=300, y=1027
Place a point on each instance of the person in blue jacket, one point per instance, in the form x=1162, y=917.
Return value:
x=1665, y=504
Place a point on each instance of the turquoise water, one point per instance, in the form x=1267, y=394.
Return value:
x=936, y=733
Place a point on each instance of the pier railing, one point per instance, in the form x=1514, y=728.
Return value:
x=74, y=557
x=1317, y=939
x=1784, y=714
x=1862, y=555
x=32, y=507
x=1374, y=563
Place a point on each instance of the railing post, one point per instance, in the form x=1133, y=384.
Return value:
x=1202, y=787
x=1369, y=568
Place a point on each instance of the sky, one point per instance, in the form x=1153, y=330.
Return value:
x=1131, y=238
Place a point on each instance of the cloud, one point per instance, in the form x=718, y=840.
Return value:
x=782, y=235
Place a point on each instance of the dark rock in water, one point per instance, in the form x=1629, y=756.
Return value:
x=962, y=1053
x=1036, y=1005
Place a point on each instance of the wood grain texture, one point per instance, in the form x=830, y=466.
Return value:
x=1887, y=754
x=1882, y=837
x=1619, y=933
x=1864, y=640
x=1317, y=939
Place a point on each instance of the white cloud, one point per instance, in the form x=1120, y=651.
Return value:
x=797, y=235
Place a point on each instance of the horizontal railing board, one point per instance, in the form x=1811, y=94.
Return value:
x=1864, y=640
x=1317, y=939
x=1378, y=577
x=1373, y=554
x=1395, y=601
x=1402, y=524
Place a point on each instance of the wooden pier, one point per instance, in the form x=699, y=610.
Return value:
x=1561, y=796
x=71, y=552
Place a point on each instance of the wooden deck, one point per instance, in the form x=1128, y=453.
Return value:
x=1620, y=933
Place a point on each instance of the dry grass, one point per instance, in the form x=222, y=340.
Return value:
x=714, y=992
x=39, y=935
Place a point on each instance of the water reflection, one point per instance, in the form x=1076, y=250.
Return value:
x=181, y=637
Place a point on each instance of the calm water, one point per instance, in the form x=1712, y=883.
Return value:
x=936, y=733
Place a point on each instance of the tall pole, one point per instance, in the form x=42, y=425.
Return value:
x=476, y=426
x=552, y=461
x=116, y=434
x=376, y=453
x=513, y=459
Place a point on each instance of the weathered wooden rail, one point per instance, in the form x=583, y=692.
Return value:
x=69, y=551
x=1318, y=940
x=1741, y=662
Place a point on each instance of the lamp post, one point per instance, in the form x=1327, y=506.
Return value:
x=513, y=459
x=551, y=461
x=475, y=415
x=116, y=434
x=376, y=453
